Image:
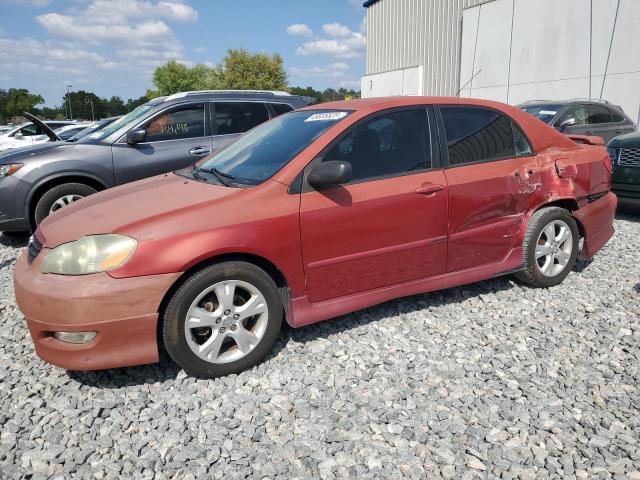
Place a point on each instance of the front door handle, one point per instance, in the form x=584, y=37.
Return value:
x=199, y=151
x=588, y=133
x=429, y=188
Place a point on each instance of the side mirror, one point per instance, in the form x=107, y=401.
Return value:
x=136, y=136
x=330, y=174
x=18, y=136
x=569, y=122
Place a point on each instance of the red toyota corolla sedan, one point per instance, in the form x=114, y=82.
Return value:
x=314, y=214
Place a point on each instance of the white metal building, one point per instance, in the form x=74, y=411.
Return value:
x=507, y=50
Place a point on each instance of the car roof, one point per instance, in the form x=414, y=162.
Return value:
x=541, y=135
x=263, y=95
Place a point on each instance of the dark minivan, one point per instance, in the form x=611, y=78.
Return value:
x=164, y=134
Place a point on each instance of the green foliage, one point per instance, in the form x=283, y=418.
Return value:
x=307, y=92
x=242, y=70
x=173, y=77
x=17, y=100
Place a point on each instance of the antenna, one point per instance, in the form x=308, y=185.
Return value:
x=470, y=80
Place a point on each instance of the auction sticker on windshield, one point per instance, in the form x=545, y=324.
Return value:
x=318, y=117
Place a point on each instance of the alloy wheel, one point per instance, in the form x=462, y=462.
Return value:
x=554, y=248
x=226, y=321
x=63, y=202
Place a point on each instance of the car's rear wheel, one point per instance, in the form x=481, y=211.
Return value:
x=59, y=197
x=550, y=247
x=222, y=320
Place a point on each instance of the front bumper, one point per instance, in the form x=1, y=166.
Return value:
x=123, y=312
x=12, y=205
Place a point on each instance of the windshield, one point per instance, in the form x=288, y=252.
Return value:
x=546, y=112
x=132, y=116
x=261, y=152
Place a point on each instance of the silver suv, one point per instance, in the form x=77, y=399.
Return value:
x=165, y=134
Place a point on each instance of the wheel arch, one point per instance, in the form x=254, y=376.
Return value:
x=569, y=204
x=265, y=264
x=51, y=181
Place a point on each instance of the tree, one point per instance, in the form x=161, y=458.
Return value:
x=246, y=71
x=17, y=100
x=240, y=70
x=133, y=103
x=173, y=77
x=307, y=92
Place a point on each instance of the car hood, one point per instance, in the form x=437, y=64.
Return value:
x=628, y=140
x=145, y=210
x=23, y=153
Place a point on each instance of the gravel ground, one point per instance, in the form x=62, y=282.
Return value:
x=492, y=380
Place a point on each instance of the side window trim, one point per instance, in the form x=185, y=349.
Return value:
x=122, y=139
x=444, y=148
x=305, y=187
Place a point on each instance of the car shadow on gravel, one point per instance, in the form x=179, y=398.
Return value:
x=628, y=212
x=399, y=306
x=114, y=378
x=14, y=240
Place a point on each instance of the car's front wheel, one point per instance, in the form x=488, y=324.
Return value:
x=59, y=197
x=550, y=247
x=222, y=320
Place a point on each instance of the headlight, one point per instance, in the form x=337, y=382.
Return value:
x=9, y=169
x=613, y=154
x=92, y=254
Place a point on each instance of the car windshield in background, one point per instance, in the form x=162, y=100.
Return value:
x=546, y=112
x=130, y=117
x=261, y=152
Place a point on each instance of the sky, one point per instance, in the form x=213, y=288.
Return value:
x=110, y=47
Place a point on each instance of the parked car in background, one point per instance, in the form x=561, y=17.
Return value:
x=61, y=134
x=28, y=132
x=582, y=117
x=160, y=136
x=312, y=215
x=625, y=152
x=4, y=129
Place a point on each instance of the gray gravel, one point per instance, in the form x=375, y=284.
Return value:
x=492, y=380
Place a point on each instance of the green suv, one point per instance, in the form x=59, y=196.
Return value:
x=625, y=152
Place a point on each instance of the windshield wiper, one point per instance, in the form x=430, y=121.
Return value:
x=221, y=176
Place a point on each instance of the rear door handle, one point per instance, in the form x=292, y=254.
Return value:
x=199, y=151
x=429, y=188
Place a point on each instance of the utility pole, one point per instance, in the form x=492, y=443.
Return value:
x=93, y=119
x=69, y=101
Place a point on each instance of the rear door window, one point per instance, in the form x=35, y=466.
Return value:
x=178, y=123
x=479, y=135
x=598, y=114
x=238, y=117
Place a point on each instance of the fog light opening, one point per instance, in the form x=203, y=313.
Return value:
x=75, y=337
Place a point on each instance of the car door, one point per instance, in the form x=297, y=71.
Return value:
x=232, y=118
x=493, y=180
x=173, y=138
x=389, y=224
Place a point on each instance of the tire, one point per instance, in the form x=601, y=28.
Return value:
x=209, y=345
x=548, y=262
x=65, y=193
